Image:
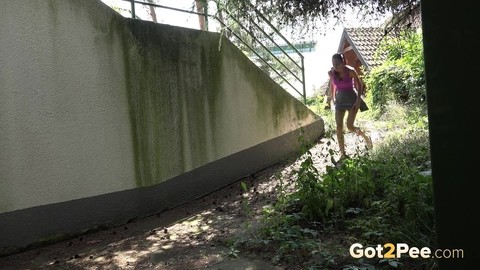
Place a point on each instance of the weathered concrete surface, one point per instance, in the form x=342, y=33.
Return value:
x=105, y=118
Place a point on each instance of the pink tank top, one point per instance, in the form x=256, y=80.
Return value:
x=345, y=84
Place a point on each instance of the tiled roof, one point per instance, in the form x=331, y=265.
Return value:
x=365, y=42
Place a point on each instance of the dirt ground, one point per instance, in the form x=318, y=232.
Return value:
x=196, y=235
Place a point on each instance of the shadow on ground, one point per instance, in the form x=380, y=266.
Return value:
x=196, y=235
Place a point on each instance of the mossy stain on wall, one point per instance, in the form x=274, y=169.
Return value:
x=173, y=90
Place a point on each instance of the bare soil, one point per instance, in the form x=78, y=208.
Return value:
x=196, y=235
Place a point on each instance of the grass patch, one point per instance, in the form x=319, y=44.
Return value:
x=384, y=196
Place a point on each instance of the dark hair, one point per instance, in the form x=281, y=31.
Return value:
x=339, y=56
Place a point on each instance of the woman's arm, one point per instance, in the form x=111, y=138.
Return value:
x=357, y=82
x=358, y=86
x=332, y=86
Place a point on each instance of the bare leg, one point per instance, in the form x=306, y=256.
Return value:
x=367, y=139
x=351, y=127
x=339, y=116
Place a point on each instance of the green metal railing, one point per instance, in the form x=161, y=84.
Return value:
x=263, y=55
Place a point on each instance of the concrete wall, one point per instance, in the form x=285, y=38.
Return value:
x=64, y=115
x=103, y=118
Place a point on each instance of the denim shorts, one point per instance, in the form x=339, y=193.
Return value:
x=344, y=100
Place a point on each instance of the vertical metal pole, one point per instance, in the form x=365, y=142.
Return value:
x=303, y=82
x=205, y=18
x=133, y=8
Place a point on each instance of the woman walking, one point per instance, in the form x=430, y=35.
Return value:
x=346, y=91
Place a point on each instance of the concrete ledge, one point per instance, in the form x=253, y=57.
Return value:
x=41, y=225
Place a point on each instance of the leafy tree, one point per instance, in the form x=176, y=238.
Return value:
x=304, y=15
x=401, y=78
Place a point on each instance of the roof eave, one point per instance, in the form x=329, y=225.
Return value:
x=346, y=37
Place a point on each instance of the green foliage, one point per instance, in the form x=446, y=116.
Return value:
x=314, y=101
x=305, y=16
x=247, y=209
x=401, y=78
x=317, y=103
x=366, y=196
x=293, y=242
x=384, y=196
x=307, y=184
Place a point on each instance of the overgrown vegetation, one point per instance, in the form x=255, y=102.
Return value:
x=401, y=78
x=383, y=196
x=304, y=16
